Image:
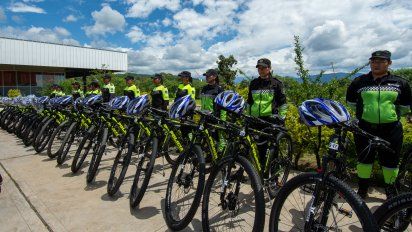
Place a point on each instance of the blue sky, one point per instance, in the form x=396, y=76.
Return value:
x=173, y=35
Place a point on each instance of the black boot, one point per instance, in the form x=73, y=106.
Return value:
x=363, y=187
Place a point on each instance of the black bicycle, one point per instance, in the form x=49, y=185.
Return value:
x=322, y=201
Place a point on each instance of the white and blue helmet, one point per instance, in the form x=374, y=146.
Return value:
x=322, y=112
x=231, y=101
x=119, y=103
x=138, y=105
x=65, y=100
x=182, y=107
x=93, y=100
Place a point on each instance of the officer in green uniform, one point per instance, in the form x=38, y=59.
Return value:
x=57, y=91
x=76, y=91
x=379, y=99
x=207, y=99
x=131, y=90
x=185, y=87
x=266, y=99
x=108, y=89
x=94, y=88
x=160, y=94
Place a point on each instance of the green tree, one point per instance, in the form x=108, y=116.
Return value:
x=225, y=71
x=405, y=73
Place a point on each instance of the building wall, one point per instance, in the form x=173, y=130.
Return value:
x=30, y=53
x=28, y=82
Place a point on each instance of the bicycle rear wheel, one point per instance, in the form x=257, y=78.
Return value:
x=336, y=207
x=281, y=163
x=233, y=197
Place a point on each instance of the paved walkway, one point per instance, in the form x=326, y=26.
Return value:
x=38, y=195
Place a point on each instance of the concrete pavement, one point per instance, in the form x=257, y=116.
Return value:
x=38, y=195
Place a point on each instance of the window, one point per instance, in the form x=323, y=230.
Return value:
x=9, y=78
x=23, y=78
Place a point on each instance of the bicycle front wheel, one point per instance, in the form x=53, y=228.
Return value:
x=233, y=199
x=306, y=203
x=395, y=214
x=184, y=189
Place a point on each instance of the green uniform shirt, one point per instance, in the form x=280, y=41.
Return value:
x=160, y=97
x=185, y=90
x=58, y=93
x=131, y=91
x=110, y=87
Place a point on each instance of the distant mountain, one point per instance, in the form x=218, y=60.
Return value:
x=325, y=77
x=330, y=76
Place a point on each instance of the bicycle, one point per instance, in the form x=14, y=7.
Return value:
x=234, y=189
x=327, y=192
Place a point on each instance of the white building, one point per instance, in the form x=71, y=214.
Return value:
x=29, y=65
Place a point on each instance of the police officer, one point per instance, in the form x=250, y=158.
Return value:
x=131, y=90
x=57, y=91
x=210, y=91
x=207, y=96
x=379, y=99
x=160, y=94
x=266, y=99
x=76, y=91
x=185, y=87
x=108, y=89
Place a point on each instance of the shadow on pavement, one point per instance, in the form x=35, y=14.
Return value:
x=71, y=174
x=145, y=212
x=106, y=197
x=62, y=166
x=95, y=185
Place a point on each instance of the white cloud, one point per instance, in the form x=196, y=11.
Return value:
x=166, y=22
x=62, y=31
x=3, y=16
x=143, y=8
x=55, y=35
x=106, y=20
x=70, y=18
x=136, y=34
x=331, y=35
x=218, y=17
x=342, y=32
x=20, y=7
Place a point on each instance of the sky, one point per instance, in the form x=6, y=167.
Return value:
x=172, y=35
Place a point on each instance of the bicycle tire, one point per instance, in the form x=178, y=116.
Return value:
x=67, y=143
x=147, y=161
x=391, y=207
x=366, y=219
x=56, y=133
x=86, y=144
x=123, y=160
x=97, y=154
x=195, y=158
x=257, y=188
x=283, y=160
x=44, y=135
